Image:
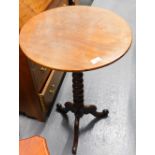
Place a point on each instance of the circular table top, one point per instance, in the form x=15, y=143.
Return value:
x=75, y=38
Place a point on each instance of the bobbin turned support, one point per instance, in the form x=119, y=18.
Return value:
x=78, y=107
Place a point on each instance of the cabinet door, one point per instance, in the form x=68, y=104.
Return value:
x=39, y=75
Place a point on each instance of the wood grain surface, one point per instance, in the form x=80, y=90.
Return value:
x=35, y=145
x=75, y=38
x=29, y=8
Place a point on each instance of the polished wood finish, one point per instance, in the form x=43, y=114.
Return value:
x=35, y=145
x=37, y=5
x=29, y=8
x=70, y=39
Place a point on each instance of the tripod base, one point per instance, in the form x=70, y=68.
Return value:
x=78, y=114
x=91, y=109
x=78, y=108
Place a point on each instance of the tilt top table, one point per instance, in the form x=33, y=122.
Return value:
x=76, y=39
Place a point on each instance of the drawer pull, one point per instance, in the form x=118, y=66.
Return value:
x=43, y=68
x=53, y=85
x=51, y=91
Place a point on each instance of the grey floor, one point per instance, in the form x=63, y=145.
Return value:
x=112, y=87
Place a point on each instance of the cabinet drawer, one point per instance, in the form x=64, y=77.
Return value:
x=50, y=89
x=39, y=75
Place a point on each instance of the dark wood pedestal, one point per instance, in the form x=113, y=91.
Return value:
x=78, y=107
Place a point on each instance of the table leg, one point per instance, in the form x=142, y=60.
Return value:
x=76, y=134
x=68, y=107
x=93, y=110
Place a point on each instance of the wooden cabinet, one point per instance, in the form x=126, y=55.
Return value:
x=38, y=85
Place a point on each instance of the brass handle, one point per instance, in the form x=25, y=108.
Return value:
x=53, y=85
x=51, y=91
x=43, y=68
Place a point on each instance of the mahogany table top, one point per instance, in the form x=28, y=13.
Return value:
x=75, y=38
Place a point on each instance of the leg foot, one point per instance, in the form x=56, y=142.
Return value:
x=76, y=135
x=64, y=110
x=93, y=110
